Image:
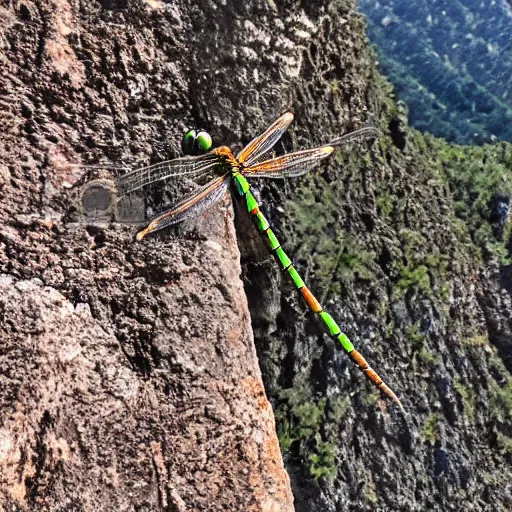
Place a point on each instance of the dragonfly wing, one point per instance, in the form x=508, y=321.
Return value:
x=362, y=133
x=264, y=142
x=290, y=165
x=190, y=207
x=190, y=167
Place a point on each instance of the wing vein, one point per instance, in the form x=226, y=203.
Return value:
x=291, y=164
x=189, y=207
x=180, y=167
x=264, y=142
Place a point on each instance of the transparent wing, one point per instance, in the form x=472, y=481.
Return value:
x=189, y=207
x=264, y=142
x=290, y=165
x=189, y=167
x=362, y=133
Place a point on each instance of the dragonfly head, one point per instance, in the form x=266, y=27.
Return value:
x=196, y=142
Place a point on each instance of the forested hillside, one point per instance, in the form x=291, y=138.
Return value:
x=451, y=62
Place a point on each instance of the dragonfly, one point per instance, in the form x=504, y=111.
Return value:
x=234, y=171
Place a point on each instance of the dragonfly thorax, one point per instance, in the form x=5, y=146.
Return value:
x=228, y=157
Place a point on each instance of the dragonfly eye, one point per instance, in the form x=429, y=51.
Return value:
x=204, y=141
x=196, y=142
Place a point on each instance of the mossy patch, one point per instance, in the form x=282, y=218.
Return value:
x=504, y=444
x=300, y=420
x=480, y=340
x=335, y=257
x=467, y=397
x=321, y=462
x=501, y=401
x=415, y=278
x=430, y=431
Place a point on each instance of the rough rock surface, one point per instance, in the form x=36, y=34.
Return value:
x=128, y=374
x=129, y=379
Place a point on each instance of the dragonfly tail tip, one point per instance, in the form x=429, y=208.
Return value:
x=402, y=409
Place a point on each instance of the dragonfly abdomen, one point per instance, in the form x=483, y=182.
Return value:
x=243, y=190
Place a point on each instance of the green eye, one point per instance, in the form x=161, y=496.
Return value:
x=187, y=143
x=204, y=141
x=196, y=142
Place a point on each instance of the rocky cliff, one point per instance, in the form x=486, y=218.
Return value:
x=128, y=373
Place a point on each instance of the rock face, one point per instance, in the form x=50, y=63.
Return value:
x=94, y=416
x=129, y=378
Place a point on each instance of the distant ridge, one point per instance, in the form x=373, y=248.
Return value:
x=450, y=62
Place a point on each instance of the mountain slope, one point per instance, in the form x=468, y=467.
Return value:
x=411, y=268
x=451, y=63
